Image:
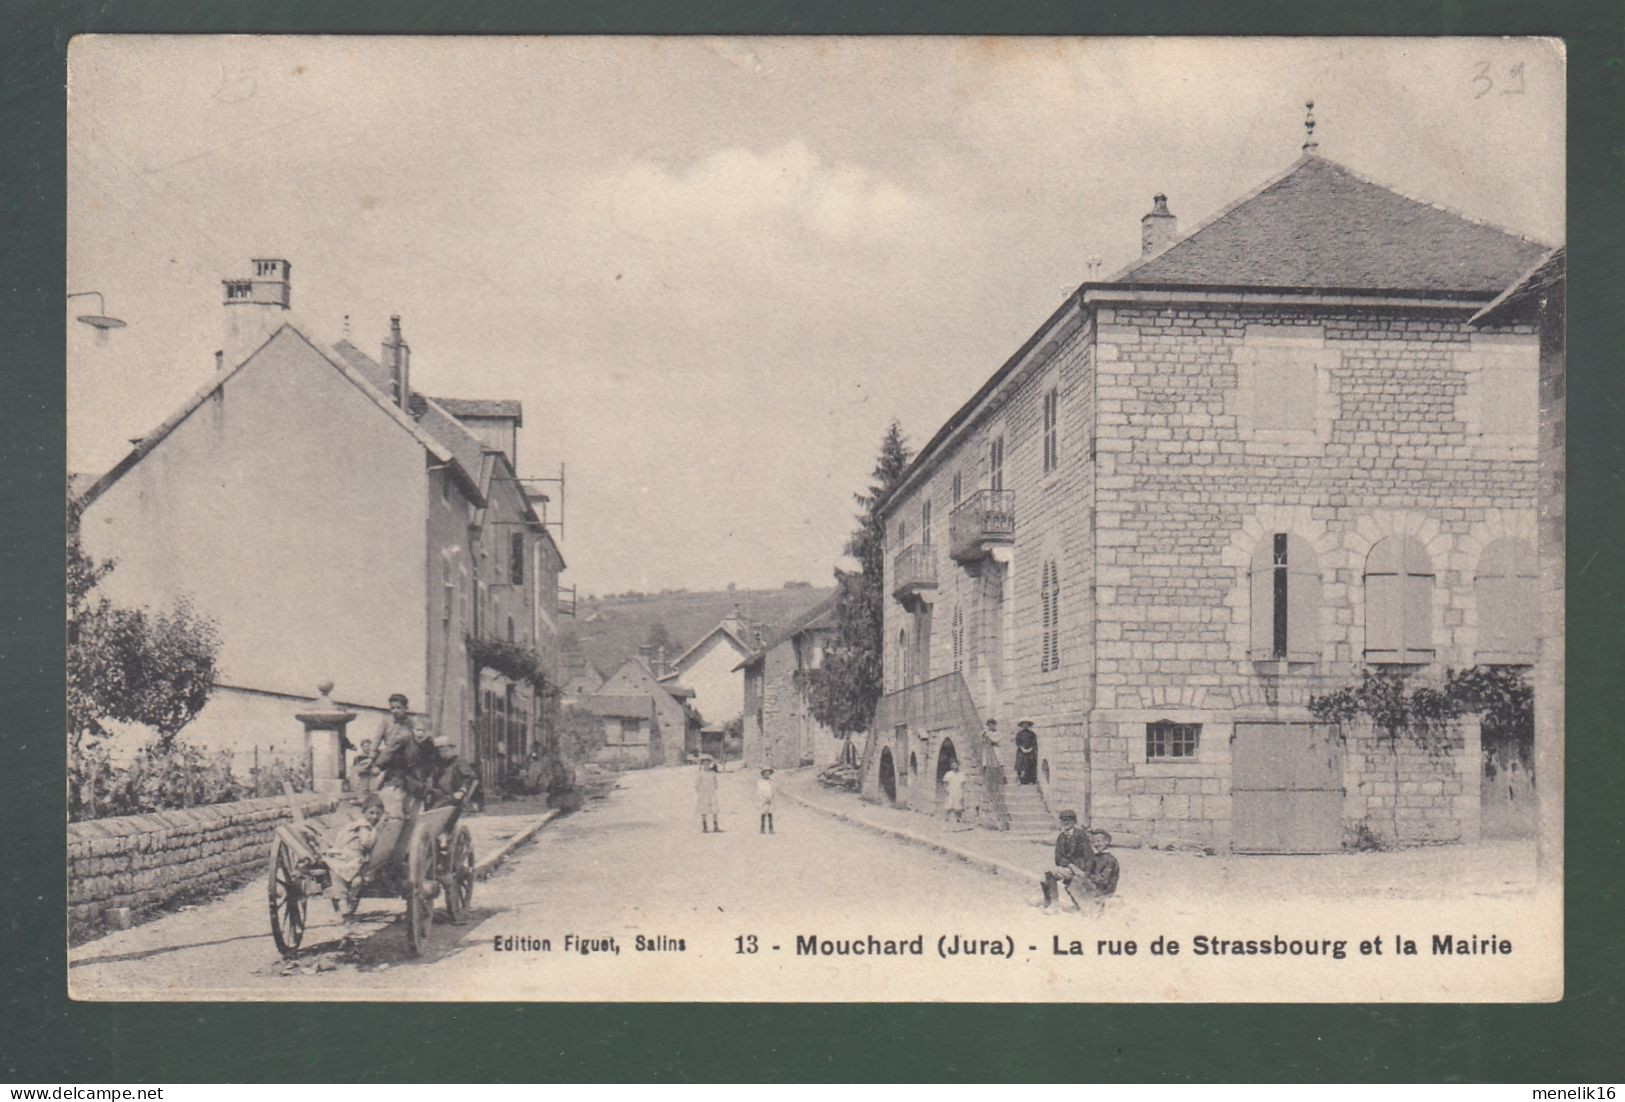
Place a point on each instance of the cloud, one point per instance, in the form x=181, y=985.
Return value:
x=790, y=188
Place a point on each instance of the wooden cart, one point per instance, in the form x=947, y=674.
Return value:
x=416, y=859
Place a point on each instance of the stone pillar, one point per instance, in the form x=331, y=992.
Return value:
x=325, y=723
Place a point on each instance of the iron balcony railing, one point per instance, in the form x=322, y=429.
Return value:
x=913, y=570
x=982, y=521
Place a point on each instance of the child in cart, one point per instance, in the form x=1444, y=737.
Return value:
x=346, y=853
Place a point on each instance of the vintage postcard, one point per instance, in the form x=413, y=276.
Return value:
x=815, y=519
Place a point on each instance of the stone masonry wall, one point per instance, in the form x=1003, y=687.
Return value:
x=998, y=604
x=143, y=861
x=1398, y=793
x=1187, y=492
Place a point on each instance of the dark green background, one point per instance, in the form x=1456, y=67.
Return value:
x=46, y=1038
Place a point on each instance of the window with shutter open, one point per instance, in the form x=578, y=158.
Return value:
x=1398, y=602
x=1284, y=582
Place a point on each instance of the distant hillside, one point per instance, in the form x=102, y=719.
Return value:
x=610, y=629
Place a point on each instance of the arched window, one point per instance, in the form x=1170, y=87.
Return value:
x=1398, y=602
x=1504, y=591
x=1284, y=582
x=1049, y=601
x=959, y=639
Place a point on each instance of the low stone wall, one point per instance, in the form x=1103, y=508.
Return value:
x=143, y=861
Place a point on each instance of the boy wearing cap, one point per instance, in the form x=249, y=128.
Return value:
x=1072, y=855
x=1100, y=874
x=764, y=800
x=452, y=777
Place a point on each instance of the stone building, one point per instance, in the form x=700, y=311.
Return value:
x=779, y=728
x=336, y=523
x=670, y=718
x=1539, y=298
x=1265, y=455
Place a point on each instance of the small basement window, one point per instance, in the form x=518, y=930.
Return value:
x=1166, y=741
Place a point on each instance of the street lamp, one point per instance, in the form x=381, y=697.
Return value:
x=100, y=322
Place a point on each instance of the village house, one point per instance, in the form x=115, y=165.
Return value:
x=780, y=730
x=1264, y=456
x=337, y=524
x=671, y=730
x=710, y=669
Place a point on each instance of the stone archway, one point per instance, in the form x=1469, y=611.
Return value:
x=947, y=758
x=888, y=775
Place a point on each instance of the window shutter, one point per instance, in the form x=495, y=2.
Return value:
x=1261, y=638
x=1302, y=601
x=1384, y=619
x=1504, y=591
x=1418, y=595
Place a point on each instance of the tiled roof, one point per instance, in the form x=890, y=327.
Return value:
x=1320, y=226
x=484, y=407
x=821, y=615
x=621, y=706
x=288, y=341
x=1520, y=298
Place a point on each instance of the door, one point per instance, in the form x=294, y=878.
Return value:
x=1286, y=788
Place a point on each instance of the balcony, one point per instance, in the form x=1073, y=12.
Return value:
x=914, y=574
x=985, y=520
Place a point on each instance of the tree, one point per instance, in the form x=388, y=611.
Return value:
x=131, y=665
x=660, y=636
x=843, y=693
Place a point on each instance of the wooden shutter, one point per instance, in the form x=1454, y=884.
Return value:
x=1399, y=602
x=1261, y=579
x=1302, y=601
x=1504, y=591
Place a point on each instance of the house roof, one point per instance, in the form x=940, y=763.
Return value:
x=1322, y=226
x=1547, y=272
x=290, y=338
x=1316, y=227
x=508, y=408
x=723, y=629
x=820, y=615
x=621, y=705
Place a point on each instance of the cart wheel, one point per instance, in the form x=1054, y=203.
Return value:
x=288, y=902
x=460, y=876
x=420, y=886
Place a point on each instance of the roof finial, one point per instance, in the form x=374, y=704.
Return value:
x=1310, y=146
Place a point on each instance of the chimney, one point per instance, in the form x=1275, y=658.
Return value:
x=398, y=362
x=646, y=654
x=660, y=661
x=1158, y=228
x=219, y=359
x=256, y=307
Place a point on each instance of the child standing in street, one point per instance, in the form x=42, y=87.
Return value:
x=705, y=796
x=764, y=800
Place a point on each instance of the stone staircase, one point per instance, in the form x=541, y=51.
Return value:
x=1028, y=813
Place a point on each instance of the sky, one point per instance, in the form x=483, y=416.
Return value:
x=713, y=270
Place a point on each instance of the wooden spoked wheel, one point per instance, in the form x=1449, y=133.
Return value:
x=420, y=890
x=286, y=895
x=460, y=876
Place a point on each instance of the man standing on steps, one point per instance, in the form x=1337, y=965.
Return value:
x=1026, y=753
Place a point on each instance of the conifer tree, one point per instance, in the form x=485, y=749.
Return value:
x=844, y=692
